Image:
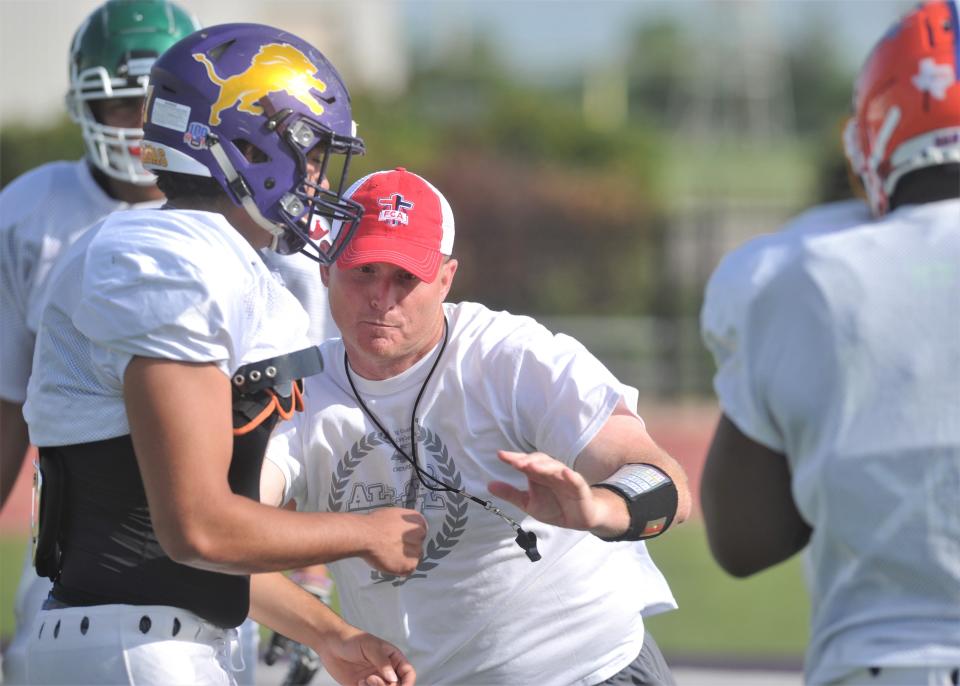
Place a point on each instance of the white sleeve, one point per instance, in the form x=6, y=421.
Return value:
x=17, y=264
x=787, y=361
x=16, y=344
x=154, y=301
x=285, y=450
x=718, y=320
x=731, y=288
x=725, y=322
x=16, y=339
x=722, y=323
x=563, y=395
x=740, y=278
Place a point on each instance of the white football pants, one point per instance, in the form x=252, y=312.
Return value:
x=129, y=644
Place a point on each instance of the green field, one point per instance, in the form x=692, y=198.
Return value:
x=12, y=550
x=764, y=617
x=720, y=617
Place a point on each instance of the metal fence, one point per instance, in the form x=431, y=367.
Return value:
x=663, y=358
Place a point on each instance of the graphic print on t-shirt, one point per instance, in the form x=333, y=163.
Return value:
x=355, y=495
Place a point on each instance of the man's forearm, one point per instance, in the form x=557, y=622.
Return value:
x=624, y=440
x=350, y=655
x=272, y=597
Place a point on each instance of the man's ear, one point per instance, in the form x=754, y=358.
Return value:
x=325, y=275
x=447, y=271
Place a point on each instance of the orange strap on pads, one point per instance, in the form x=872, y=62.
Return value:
x=265, y=403
x=274, y=386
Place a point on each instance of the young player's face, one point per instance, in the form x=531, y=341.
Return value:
x=315, y=167
x=388, y=317
x=124, y=113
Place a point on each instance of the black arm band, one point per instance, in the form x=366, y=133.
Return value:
x=651, y=498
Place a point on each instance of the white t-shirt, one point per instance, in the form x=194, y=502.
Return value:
x=171, y=284
x=850, y=366
x=41, y=213
x=476, y=611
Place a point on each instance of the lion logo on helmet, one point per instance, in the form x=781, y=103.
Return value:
x=276, y=67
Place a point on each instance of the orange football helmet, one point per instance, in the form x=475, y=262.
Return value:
x=906, y=102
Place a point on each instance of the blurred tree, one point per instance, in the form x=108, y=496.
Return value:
x=658, y=66
x=835, y=179
x=554, y=209
x=555, y=216
x=547, y=239
x=821, y=86
x=23, y=147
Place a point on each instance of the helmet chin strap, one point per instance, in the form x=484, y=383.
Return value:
x=242, y=192
x=879, y=198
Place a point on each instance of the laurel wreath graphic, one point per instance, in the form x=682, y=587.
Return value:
x=454, y=522
x=347, y=465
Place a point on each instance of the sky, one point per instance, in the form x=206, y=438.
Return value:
x=539, y=36
x=538, y=39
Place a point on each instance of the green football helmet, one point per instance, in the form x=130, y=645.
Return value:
x=110, y=57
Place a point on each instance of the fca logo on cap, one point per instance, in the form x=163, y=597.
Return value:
x=393, y=210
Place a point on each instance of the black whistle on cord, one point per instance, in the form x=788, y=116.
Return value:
x=528, y=541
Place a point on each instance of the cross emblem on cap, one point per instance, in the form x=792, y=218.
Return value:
x=393, y=209
x=395, y=202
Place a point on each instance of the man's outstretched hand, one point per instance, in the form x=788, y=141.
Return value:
x=362, y=659
x=555, y=493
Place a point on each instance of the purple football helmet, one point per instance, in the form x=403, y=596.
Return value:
x=252, y=106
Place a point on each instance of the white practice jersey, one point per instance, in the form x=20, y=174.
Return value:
x=476, y=610
x=171, y=284
x=850, y=366
x=41, y=214
x=302, y=276
x=743, y=273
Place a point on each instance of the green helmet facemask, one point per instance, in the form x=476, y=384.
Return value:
x=110, y=57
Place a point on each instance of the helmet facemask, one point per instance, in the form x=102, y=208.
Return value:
x=300, y=219
x=310, y=207
x=113, y=150
x=110, y=59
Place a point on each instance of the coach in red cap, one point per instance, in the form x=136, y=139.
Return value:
x=434, y=406
x=387, y=288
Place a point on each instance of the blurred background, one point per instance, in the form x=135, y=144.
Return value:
x=600, y=158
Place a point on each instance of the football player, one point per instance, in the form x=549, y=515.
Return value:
x=110, y=57
x=47, y=209
x=161, y=367
x=839, y=380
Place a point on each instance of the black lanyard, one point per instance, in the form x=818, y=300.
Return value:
x=526, y=540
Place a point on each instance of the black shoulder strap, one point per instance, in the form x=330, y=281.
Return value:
x=278, y=372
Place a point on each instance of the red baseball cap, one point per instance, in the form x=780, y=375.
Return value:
x=405, y=222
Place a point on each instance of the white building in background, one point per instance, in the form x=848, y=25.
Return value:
x=366, y=40
x=741, y=83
